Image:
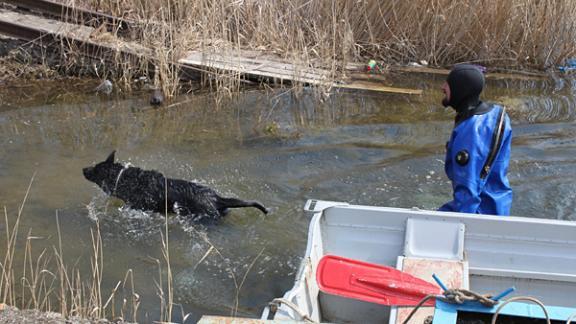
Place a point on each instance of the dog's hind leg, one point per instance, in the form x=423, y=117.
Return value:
x=225, y=203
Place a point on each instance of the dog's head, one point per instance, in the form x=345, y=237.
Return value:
x=104, y=174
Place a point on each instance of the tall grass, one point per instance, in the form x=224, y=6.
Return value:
x=526, y=33
x=45, y=282
x=519, y=34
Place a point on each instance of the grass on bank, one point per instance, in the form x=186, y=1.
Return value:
x=45, y=282
x=526, y=33
x=534, y=34
x=512, y=34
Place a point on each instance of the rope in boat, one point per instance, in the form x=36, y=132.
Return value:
x=276, y=302
x=420, y=303
x=454, y=296
x=459, y=296
x=571, y=318
x=523, y=298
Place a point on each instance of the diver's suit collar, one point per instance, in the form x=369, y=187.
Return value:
x=478, y=109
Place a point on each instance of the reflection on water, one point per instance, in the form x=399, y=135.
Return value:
x=365, y=149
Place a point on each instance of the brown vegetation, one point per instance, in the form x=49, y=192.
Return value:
x=41, y=280
x=518, y=34
x=44, y=282
x=532, y=34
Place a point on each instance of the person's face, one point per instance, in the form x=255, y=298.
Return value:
x=446, y=90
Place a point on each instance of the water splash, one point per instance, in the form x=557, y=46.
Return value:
x=121, y=222
x=126, y=166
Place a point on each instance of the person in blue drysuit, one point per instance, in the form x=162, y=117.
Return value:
x=478, y=152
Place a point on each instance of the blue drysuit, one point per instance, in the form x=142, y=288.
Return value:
x=468, y=154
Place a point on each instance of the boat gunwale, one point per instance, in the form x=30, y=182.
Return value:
x=329, y=216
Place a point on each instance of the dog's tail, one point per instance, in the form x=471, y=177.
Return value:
x=238, y=203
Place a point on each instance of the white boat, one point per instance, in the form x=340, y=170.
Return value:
x=490, y=253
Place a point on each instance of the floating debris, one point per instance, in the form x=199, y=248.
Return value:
x=570, y=65
x=157, y=97
x=105, y=87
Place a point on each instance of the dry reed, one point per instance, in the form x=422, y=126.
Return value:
x=519, y=34
x=46, y=283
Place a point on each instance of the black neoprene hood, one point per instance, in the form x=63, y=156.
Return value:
x=466, y=82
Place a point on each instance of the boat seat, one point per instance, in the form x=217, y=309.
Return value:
x=434, y=239
x=432, y=247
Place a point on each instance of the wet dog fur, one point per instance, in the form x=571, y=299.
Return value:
x=146, y=190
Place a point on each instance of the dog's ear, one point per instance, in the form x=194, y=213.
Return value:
x=110, y=158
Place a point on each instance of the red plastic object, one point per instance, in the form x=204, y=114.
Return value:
x=371, y=282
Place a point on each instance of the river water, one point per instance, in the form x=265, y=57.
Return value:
x=274, y=147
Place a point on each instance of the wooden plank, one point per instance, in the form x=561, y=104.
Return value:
x=269, y=71
x=516, y=75
x=46, y=26
x=261, y=71
x=245, y=56
x=255, y=67
x=86, y=39
x=372, y=86
x=72, y=14
x=370, y=77
x=512, y=75
x=248, y=65
x=453, y=273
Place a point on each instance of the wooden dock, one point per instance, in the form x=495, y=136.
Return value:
x=265, y=67
x=73, y=14
x=50, y=32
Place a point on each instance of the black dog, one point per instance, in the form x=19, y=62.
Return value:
x=146, y=190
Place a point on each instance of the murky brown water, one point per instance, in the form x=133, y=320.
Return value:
x=365, y=149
